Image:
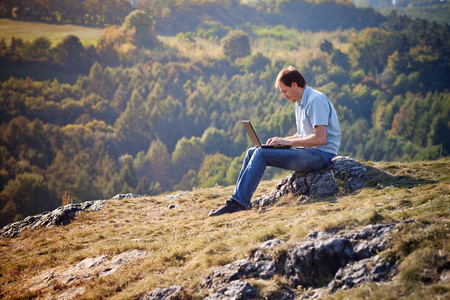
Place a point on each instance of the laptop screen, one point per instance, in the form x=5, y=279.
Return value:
x=251, y=133
x=255, y=140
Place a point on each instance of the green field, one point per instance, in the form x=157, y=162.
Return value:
x=28, y=31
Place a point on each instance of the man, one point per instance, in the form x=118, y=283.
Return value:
x=316, y=142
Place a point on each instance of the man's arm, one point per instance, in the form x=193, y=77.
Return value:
x=318, y=137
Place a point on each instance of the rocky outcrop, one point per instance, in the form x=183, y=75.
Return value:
x=344, y=175
x=60, y=216
x=172, y=293
x=344, y=260
x=324, y=254
x=234, y=290
x=322, y=264
x=125, y=196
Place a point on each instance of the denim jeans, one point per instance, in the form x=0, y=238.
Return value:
x=257, y=159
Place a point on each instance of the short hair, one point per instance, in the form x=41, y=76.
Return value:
x=289, y=75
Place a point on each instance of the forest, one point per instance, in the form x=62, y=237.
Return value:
x=431, y=10
x=155, y=106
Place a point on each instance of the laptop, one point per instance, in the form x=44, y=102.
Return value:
x=255, y=140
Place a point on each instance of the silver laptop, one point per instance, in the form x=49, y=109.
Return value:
x=255, y=140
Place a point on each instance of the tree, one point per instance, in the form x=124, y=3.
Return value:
x=71, y=54
x=28, y=194
x=133, y=127
x=327, y=47
x=188, y=155
x=337, y=57
x=39, y=49
x=212, y=30
x=115, y=11
x=214, y=170
x=127, y=172
x=71, y=11
x=214, y=139
x=160, y=164
x=440, y=130
x=236, y=44
x=142, y=23
x=107, y=54
x=256, y=63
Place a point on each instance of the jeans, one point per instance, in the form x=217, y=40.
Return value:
x=257, y=159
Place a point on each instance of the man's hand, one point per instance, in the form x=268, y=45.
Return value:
x=319, y=137
x=278, y=141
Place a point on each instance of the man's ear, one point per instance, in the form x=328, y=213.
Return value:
x=294, y=84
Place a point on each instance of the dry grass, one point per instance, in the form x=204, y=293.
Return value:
x=197, y=50
x=184, y=244
x=304, y=47
x=299, y=50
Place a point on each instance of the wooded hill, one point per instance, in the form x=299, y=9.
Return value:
x=156, y=104
x=431, y=10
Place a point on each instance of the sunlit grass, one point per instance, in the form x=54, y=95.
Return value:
x=28, y=31
x=298, y=51
x=194, y=50
x=184, y=245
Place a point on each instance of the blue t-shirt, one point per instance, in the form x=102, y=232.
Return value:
x=316, y=109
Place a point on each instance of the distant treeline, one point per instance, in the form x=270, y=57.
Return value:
x=300, y=14
x=398, y=3
x=148, y=120
x=173, y=16
x=431, y=10
x=86, y=12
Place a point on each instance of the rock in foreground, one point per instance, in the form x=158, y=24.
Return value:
x=60, y=216
x=347, y=259
x=63, y=215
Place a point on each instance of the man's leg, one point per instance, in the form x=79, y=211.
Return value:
x=232, y=205
x=251, y=173
x=255, y=163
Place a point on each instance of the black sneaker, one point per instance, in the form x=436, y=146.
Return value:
x=230, y=206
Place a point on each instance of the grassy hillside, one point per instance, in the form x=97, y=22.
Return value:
x=183, y=245
x=29, y=31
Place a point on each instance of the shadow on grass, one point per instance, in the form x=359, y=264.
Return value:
x=380, y=179
x=323, y=187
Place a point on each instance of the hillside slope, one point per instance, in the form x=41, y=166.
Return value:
x=134, y=246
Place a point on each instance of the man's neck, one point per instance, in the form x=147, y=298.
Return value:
x=300, y=95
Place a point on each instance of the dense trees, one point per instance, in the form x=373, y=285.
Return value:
x=93, y=12
x=176, y=16
x=70, y=57
x=142, y=118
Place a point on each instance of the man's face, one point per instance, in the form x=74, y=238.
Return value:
x=292, y=93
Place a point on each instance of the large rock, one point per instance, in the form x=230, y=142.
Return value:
x=373, y=269
x=174, y=292
x=344, y=175
x=323, y=254
x=235, y=290
x=346, y=259
x=60, y=216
